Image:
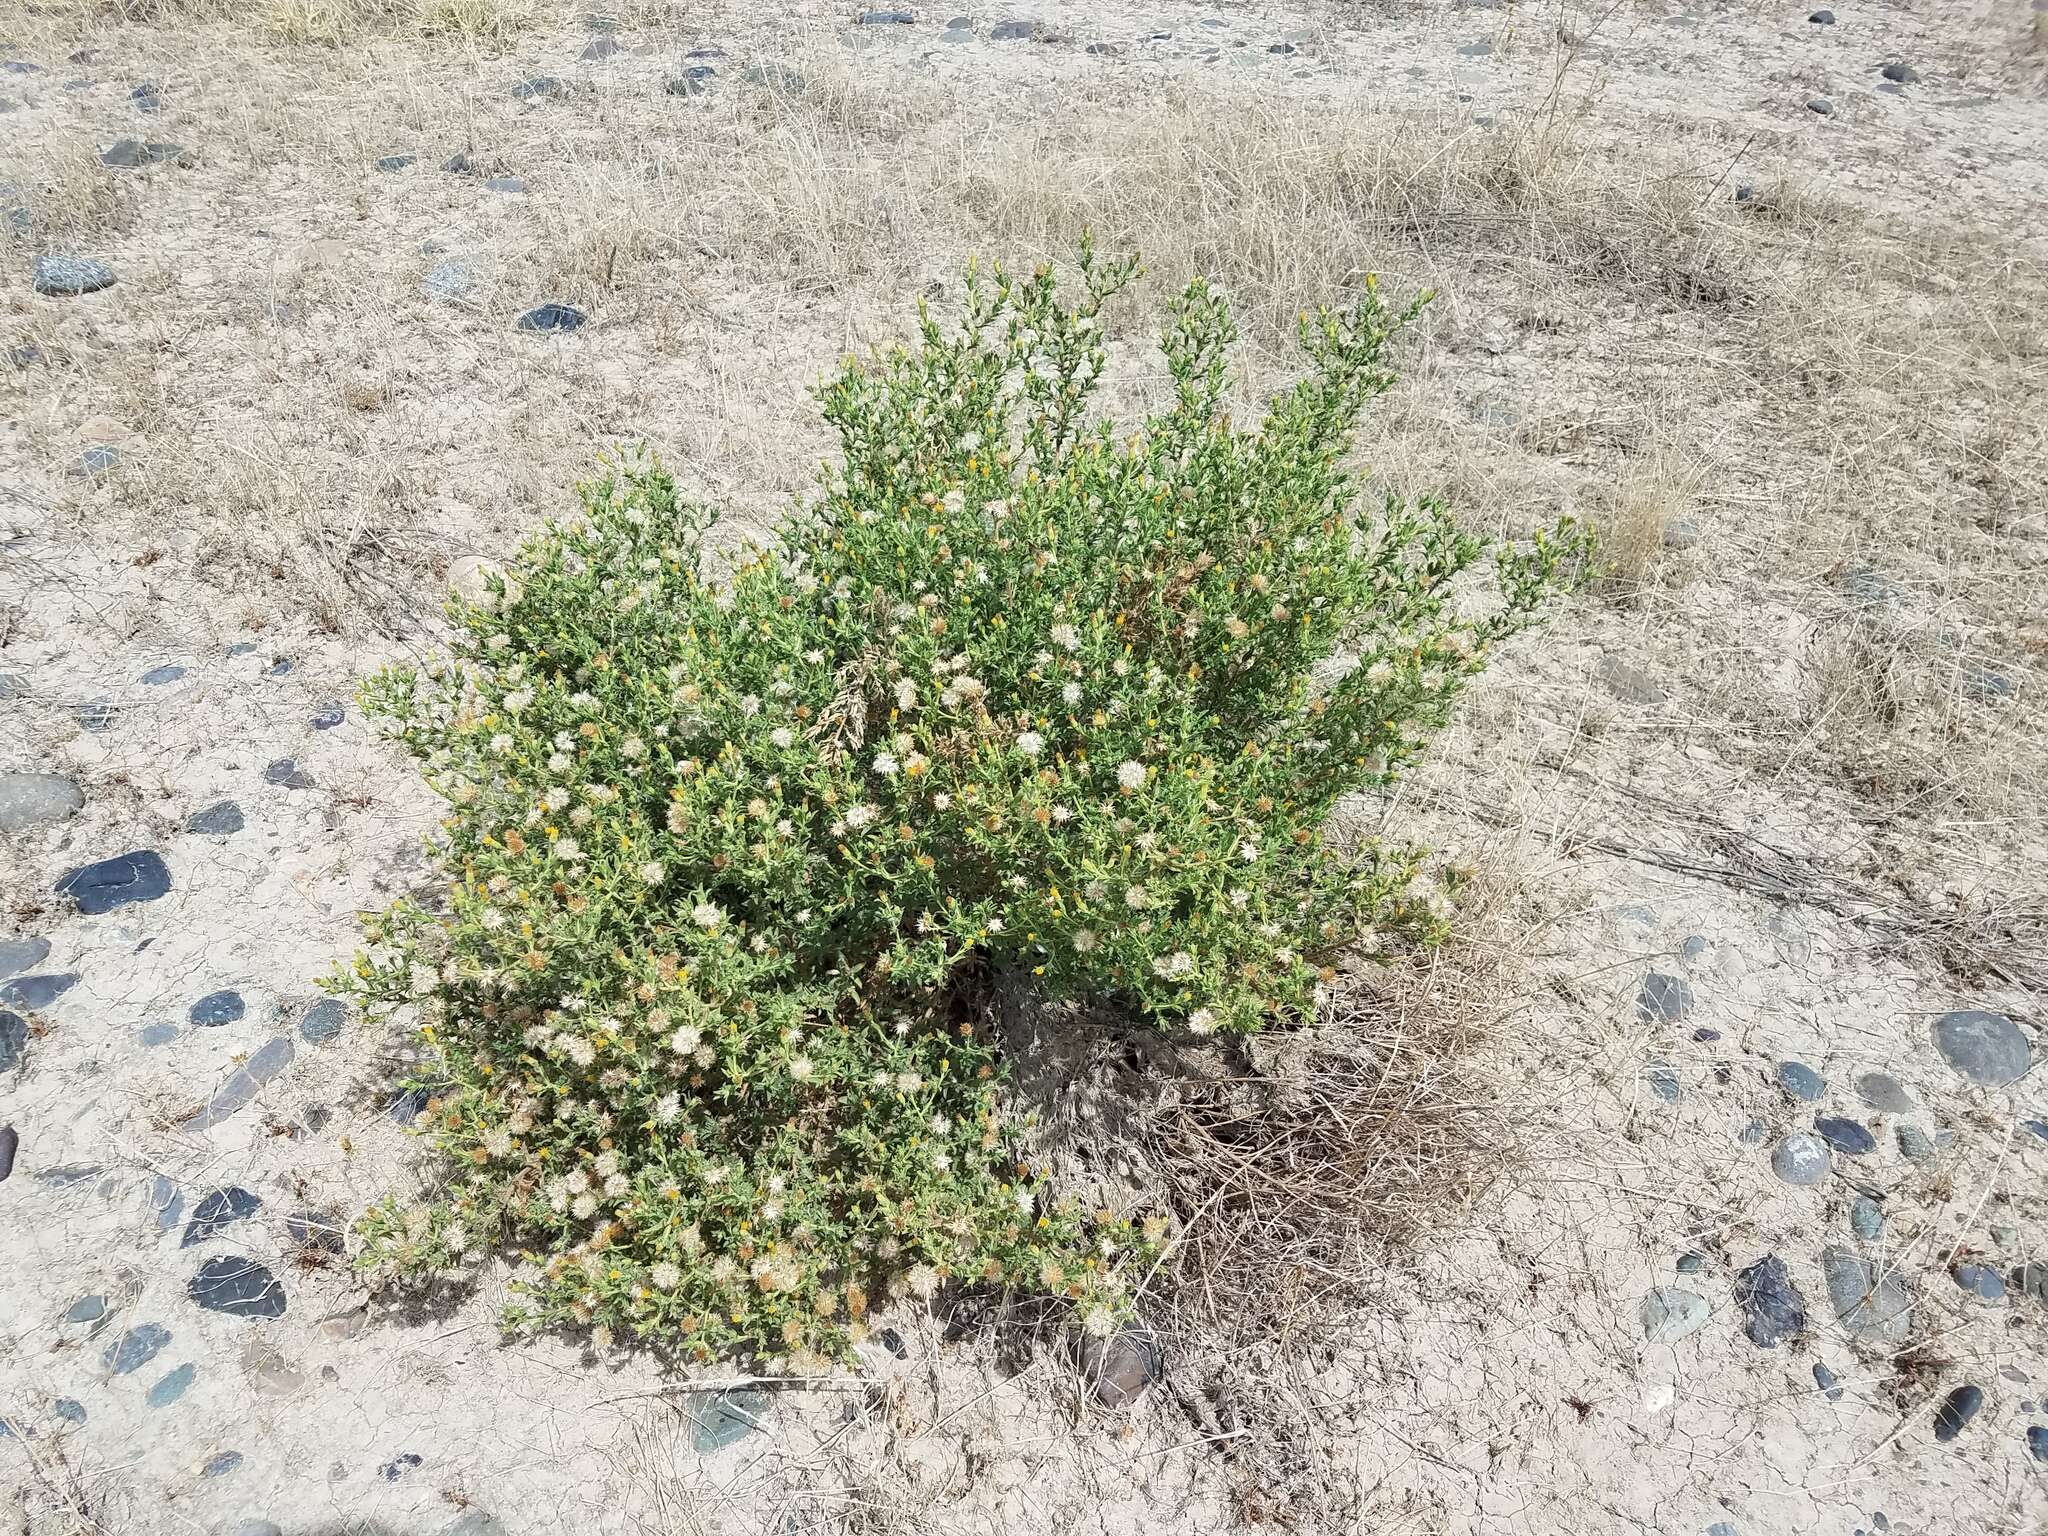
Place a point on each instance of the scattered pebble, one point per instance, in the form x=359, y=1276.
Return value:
x=1866, y=1218
x=1980, y=1280
x=1801, y=1081
x=321, y=1230
x=97, y=716
x=1773, y=1310
x=148, y=97
x=1987, y=686
x=1691, y=1263
x=237, y=1286
x=395, y=162
x=1987, y=1048
x=133, y=154
x=2037, y=1441
x=886, y=18
x=1821, y=105
x=166, y=1200
x=459, y=164
x=87, y=1309
x=1800, y=1160
x=1013, y=32
x=221, y=819
x=1845, y=1136
x=70, y=276
x=222, y=1464
x=323, y=1021
x=540, y=88
x=1829, y=1383
x=552, y=317
x=1683, y=532
x=222, y=1208
x=599, y=48
x=288, y=774
x=728, y=1417
x=694, y=81
x=70, y=1410
x=1883, y=1093
x=1900, y=74
x=328, y=718
x=169, y=672
x=892, y=1341
x=121, y=881
x=1663, y=1081
x=135, y=1347
x=1956, y=1411
x=776, y=77
x=18, y=955
x=506, y=184
x=244, y=1083
x=1822, y=18
x=1669, y=1314
x=13, y=1044
x=1913, y=1144
x=1663, y=999
x=1752, y=1134
x=223, y=1007
x=10, y=1139
x=1871, y=1303
x=399, y=1465
x=171, y=1386
x=33, y=992
x=30, y=800
x=1119, y=1368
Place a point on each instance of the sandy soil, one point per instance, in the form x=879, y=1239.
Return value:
x=1789, y=752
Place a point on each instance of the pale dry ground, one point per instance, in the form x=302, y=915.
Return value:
x=1837, y=381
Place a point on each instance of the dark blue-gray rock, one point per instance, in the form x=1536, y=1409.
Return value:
x=169, y=672
x=87, y=1309
x=323, y=1231
x=1884, y=1093
x=287, y=774
x=97, y=461
x=69, y=1175
x=1663, y=999
x=450, y=280
x=1628, y=682
x=779, y=78
x=1691, y=1263
x=1800, y=1160
x=1683, y=532
x=1822, y=18
x=148, y=97
x=171, y=1386
x=1870, y=1301
x=886, y=18
x=460, y=164
x=1985, y=1047
x=1119, y=1368
x=1752, y=1134
x=1845, y=1136
x=540, y=88
x=36, y=991
x=13, y=1039
x=222, y=1208
x=97, y=716
x=957, y=35
x=222, y=1007
x=399, y=1465
x=109, y=884
x=1721, y=1528
x=244, y=1083
x=70, y=1410
x=280, y=667
x=241, y=648
x=395, y=162
x=1913, y=1144
x=892, y=1341
x=237, y=1286
x=259, y=1528
x=2037, y=1441
x=2031, y=1280
x=1105, y=50
x=1956, y=1411
x=30, y=800
x=1900, y=74
x=154, y=1035
x=1801, y=1081
x=1987, y=686
x=1663, y=1080
x=1013, y=31
x=1282, y=49
x=133, y=154
x=23, y=67
x=2037, y=1127
x=1829, y=1383
x=1772, y=1308
x=694, y=81
x=1980, y=1280
x=222, y=1464
x=552, y=317
x=1820, y=105
x=507, y=184
x=407, y=1106
x=167, y=1201
x=1866, y=1218
x=727, y=1417
x=18, y=955
x=1669, y=1314
x=10, y=1143
x=1478, y=50
x=323, y=1021
x=599, y=48
x=329, y=717
x=221, y=819
x=133, y=1348
x=71, y=276
x=474, y=1522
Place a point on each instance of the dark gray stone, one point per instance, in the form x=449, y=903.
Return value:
x=540, y=88
x=1829, y=1383
x=1913, y=1144
x=18, y=955
x=1119, y=1368
x=247, y=1080
x=171, y=1386
x=399, y=1465
x=779, y=78
x=1013, y=32
x=68, y=1175
x=135, y=1347
x=1802, y=1082
x=223, y=1007
x=1870, y=1302
x=13, y=1041
x=2037, y=1441
x=1663, y=999
x=167, y=1201
x=1987, y=687
x=287, y=774
x=70, y=1410
x=1663, y=1080
x=506, y=184
x=395, y=162
x=2031, y=1280
x=1985, y=1047
x=221, y=819
x=95, y=462
x=98, y=716
x=222, y=1464
x=1772, y=1308
x=10, y=1139
x=329, y=717
x=1956, y=1411
x=1478, y=50
x=87, y=1309
x=694, y=81
x=1980, y=1280
x=121, y=881
x=323, y=1021
x=222, y=1208
x=1883, y=1093
x=324, y=1231
x=1900, y=74
x=725, y=1418
x=1866, y=1218
x=552, y=317
x=154, y=1035
x=599, y=48
x=1752, y=1134
x=1800, y=1160
x=1845, y=1136
x=2038, y=1127
x=237, y=1286
x=259, y=1528
x=169, y=672
x=148, y=97
x=1669, y=1314
x=1822, y=18
x=460, y=164
x=281, y=667
x=36, y=991
x=886, y=18
x=30, y=800
x=1683, y=532
x=133, y=154
x=71, y=276
x=1820, y=105
x=1691, y=1263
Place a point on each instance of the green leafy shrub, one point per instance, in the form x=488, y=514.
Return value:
x=1010, y=696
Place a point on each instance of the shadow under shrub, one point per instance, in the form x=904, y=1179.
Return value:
x=1012, y=694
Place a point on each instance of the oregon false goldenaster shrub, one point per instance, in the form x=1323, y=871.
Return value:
x=1015, y=696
